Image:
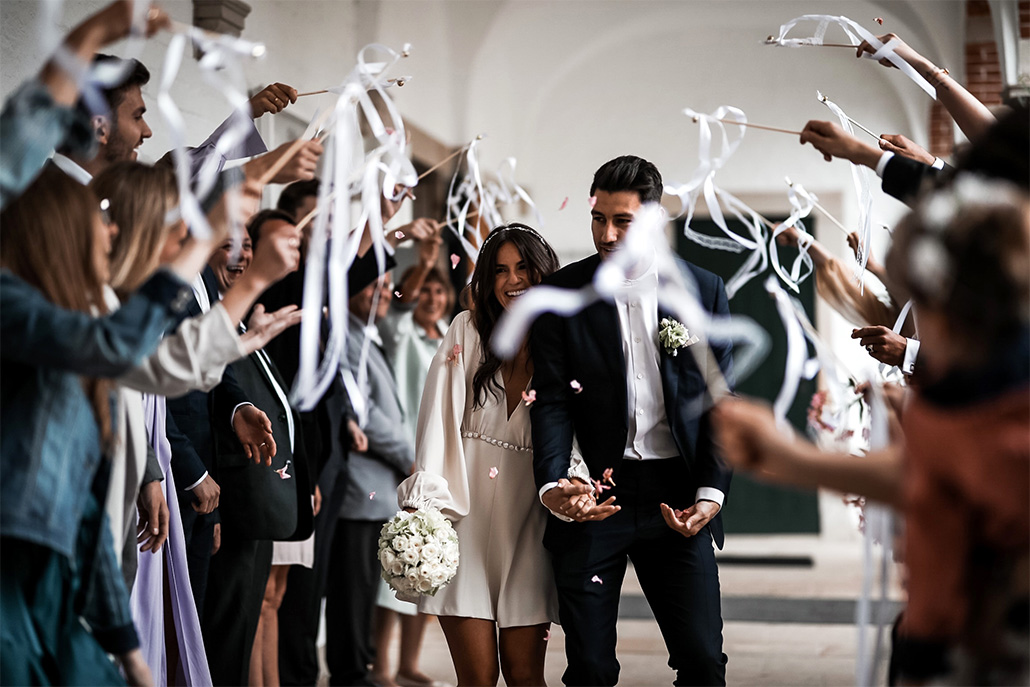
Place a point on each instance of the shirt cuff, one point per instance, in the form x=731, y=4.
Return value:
x=710, y=494
x=197, y=483
x=908, y=365
x=232, y=419
x=882, y=164
x=543, y=490
x=938, y=163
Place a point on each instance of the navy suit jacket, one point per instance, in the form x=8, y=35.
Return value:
x=190, y=417
x=587, y=347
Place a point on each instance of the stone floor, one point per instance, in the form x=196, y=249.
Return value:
x=765, y=636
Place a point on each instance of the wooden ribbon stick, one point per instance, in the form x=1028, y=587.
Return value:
x=771, y=40
x=695, y=119
x=823, y=99
x=820, y=208
x=444, y=161
x=256, y=49
x=399, y=81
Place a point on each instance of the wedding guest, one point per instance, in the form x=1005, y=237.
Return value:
x=372, y=479
x=141, y=200
x=259, y=501
x=411, y=337
x=57, y=360
x=960, y=473
x=40, y=115
x=671, y=482
x=473, y=464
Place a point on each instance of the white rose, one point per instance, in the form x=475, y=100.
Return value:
x=424, y=586
x=409, y=556
x=400, y=543
x=432, y=551
x=440, y=576
x=386, y=558
x=397, y=568
x=416, y=542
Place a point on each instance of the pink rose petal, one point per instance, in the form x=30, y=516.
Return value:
x=455, y=260
x=399, y=235
x=493, y=473
x=397, y=293
x=607, y=476
x=879, y=20
x=593, y=201
x=563, y=204
x=282, y=471
x=597, y=579
x=530, y=397
x=547, y=636
x=371, y=495
x=576, y=386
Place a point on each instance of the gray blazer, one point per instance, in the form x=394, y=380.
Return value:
x=390, y=454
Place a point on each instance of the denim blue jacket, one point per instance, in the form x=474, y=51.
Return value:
x=49, y=440
x=31, y=126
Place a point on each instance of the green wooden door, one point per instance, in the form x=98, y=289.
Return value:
x=754, y=507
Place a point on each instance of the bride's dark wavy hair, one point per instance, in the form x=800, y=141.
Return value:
x=541, y=261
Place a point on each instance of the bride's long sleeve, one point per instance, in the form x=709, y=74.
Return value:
x=441, y=476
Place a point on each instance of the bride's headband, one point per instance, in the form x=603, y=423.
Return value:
x=513, y=227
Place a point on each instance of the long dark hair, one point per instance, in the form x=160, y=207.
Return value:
x=541, y=261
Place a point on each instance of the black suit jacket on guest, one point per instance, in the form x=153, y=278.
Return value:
x=192, y=416
x=255, y=502
x=587, y=347
x=904, y=178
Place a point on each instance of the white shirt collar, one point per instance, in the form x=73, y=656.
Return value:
x=72, y=169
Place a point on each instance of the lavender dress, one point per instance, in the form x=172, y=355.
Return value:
x=148, y=607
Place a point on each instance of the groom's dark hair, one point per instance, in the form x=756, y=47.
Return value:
x=629, y=173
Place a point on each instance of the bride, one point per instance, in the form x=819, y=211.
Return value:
x=474, y=462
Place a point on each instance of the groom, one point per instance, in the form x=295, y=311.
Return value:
x=602, y=378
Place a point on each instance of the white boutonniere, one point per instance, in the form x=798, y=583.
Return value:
x=673, y=336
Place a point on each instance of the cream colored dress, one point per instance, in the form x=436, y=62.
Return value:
x=504, y=573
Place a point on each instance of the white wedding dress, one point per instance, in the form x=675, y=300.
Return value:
x=476, y=466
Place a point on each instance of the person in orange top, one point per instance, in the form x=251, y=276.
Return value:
x=961, y=473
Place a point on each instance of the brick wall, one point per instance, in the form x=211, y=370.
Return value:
x=1024, y=18
x=942, y=132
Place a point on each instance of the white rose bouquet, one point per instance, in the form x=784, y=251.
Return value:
x=418, y=552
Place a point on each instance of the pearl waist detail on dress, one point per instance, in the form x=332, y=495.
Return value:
x=496, y=442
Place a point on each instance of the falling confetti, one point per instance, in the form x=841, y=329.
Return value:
x=493, y=473
x=547, y=636
x=576, y=386
x=593, y=201
x=599, y=488
x=282, y=471
x=596, y=579
x=399, y=235
x=371, y=495
x=563, y=204
x=455, y=353
x=607, y=476
x=397, y=293
x=529, y=398
x=455, y=260
x=879, y=20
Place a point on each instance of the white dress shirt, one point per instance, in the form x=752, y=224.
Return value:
x=649, y=436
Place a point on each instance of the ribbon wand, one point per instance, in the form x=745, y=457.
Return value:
x=697, y=118
x=396, y=81
x=823, y=99
x=441, y=163
x=821, y=209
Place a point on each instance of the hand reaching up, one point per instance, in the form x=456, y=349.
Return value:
x=273, y=98
x=263, y=326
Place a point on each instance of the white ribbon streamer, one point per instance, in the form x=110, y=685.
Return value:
x=351, y=172
x=856, y=34
x=703, y=183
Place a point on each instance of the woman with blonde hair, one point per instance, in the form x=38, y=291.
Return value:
x=142, y=201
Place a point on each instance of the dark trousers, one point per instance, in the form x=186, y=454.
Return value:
x=199, y=533
x=301, y=608
x=678, y=576
x=350, y=601
x=235, y=588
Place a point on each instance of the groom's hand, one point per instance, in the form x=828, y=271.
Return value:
x=690, y=521
x=575, y=500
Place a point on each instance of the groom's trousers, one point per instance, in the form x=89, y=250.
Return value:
x=678, y=576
